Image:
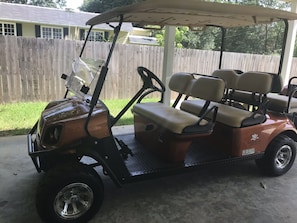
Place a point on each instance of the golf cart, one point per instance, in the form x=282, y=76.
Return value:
x=219, y=118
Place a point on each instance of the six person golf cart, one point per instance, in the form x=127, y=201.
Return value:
x=218, y=118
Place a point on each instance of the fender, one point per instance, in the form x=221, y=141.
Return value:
x=106, y=153
x=283, y=126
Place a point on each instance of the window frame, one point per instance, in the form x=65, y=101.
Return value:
x=94, y=35
x=51, y=28
x=2, y=27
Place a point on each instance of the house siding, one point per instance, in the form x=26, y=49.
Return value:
x=29, y=19
x=123, y=38
x=70, y=33
x=141, y=32
x=28, y=30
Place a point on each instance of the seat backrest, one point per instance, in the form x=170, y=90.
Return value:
x=179, y=82
x=277, y=83
x=208, y=88
x=229, y=76
x=255, y=82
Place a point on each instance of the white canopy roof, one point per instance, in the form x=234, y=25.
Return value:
x=192, y=13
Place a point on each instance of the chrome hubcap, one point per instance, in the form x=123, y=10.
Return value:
x=73, y=200
x=283, y=156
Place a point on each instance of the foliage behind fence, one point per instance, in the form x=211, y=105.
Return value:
x=30, y=68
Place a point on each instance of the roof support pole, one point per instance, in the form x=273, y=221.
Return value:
x=289, y=49
x=168, y=60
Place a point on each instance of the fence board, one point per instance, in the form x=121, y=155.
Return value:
x=30, y=68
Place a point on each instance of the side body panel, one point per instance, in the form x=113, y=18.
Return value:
x=249, y=140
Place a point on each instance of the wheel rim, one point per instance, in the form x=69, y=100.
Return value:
x=283, y=156
x=73, y=200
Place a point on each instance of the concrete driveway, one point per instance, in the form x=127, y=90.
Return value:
x=237, y=193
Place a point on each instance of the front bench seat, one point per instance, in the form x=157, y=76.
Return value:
x=181, y=122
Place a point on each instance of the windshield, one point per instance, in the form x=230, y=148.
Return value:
x=83, y=76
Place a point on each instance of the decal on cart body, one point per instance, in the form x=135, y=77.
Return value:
x=248, y=151
x=255, y=137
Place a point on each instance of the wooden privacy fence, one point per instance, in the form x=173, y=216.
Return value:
x=30, y=68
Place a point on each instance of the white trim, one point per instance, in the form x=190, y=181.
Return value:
x=8, y=23
x=51, y=32
x=94, y=33
x=290, y=42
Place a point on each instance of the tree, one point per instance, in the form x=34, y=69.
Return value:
x=42, y=3
x=104, y=5
x=207, y=39
x=179, y=35
x=261, y=39
x=15, y=1
x=185, y=38
x=48, y=3
x=265, y=3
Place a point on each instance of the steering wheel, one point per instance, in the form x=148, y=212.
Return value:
x=147, y=77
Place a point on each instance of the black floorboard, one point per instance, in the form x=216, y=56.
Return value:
x=144, y=161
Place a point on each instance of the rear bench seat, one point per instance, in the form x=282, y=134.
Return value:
x=283, y=103
x=276, y=102
x=232, y=116
x=230, y=77
x=252, y=88
x=181, y=122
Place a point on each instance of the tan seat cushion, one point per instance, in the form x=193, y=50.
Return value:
x=246, y=97
x=175, y=120
x=227, y=115
x=229, y=76
x=279, y=103
x=179, y=82
x=255, y=82
x=207, y=88
x=251, y=87
x=170, y=118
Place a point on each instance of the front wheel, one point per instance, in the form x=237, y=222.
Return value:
x=69, y=193
x=279, y=156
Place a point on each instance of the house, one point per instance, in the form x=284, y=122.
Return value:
x=52, y=23
x=142, y=36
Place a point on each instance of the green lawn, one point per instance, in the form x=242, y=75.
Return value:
x=19, y=118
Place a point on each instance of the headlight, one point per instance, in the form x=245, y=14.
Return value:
x=52, y=135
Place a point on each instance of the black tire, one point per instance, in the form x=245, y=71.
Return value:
x=69, y=193
x=279, y=156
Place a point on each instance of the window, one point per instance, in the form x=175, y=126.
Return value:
x=51, y=33
x=8, y=29
x=96, y=36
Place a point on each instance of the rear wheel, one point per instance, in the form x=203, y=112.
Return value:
x=279, y=156
x=69, y=193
